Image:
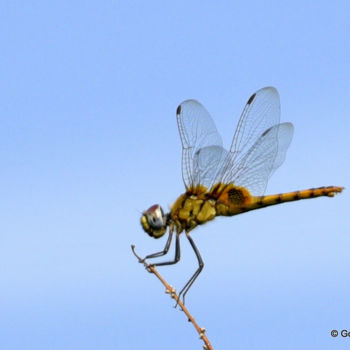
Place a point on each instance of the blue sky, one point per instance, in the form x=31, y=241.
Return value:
x=88, y=140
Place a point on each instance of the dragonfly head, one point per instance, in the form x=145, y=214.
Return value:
x=154, y=221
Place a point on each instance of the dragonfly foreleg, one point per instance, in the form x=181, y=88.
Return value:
x=164, y=251
x=166, y=248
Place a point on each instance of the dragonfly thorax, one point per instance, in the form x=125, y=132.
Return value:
x=154, y=221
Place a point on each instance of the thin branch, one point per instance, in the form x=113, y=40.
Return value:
x=171, y=291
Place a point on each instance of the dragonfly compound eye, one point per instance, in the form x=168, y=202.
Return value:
x=153, y=221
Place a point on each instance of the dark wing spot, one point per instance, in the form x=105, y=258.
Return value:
x=251, y=98
x=178, y=110
x=266, y=131
x=235, y=196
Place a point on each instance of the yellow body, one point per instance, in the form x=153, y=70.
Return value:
x=198, y=205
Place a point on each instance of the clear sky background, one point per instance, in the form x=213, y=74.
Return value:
x=88, y=139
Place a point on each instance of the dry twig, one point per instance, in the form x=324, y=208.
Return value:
x=171, y=291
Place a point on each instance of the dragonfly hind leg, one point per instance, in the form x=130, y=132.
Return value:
x=188, y=285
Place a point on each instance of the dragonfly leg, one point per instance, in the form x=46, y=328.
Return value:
x=188, y=285
x=177, y=252
x=164, y=251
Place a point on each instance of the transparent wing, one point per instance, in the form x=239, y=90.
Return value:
x=202, y=150
x=258, y=148
x=207, y=165
x=260, y=143
x=262, y=159
x=261, y=112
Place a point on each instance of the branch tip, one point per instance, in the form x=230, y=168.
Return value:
x=172, y=291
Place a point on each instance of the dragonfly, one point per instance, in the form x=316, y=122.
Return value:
x=219, y=182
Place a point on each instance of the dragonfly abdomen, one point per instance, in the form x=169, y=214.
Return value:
x=264, y=201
